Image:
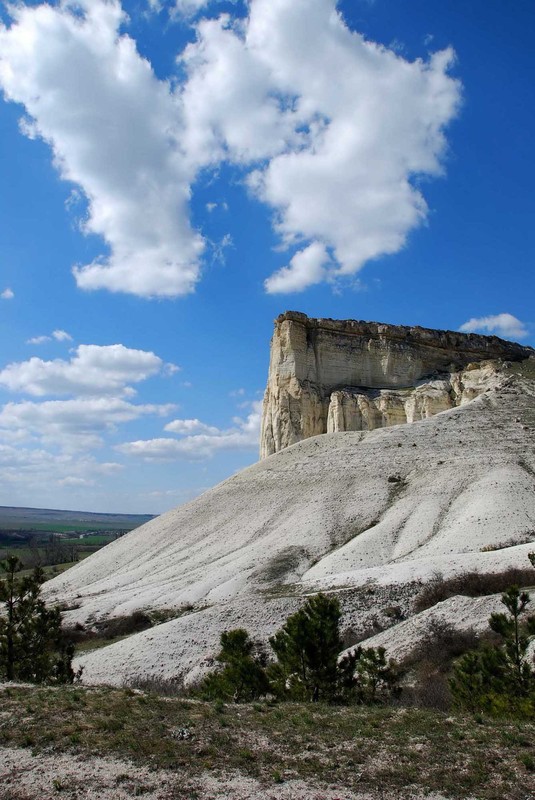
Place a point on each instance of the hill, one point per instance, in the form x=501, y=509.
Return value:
x=369, y=515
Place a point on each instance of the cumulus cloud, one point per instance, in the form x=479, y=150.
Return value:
x=93, y=370
x=505, y=325
x=341, y=126
x=330, y=130
x=73, y=424
x=306, y=268
x=38, y=339
x=115, y=132
x=7, y=294
x=199, y=441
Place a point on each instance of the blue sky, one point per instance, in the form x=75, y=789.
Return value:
x=175, y=175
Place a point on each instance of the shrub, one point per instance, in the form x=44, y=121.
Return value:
x=125, y=625
x=109, y=629
x=166, y=687
x=431, y=661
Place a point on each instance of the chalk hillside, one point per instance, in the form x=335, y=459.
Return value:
x=368, y=515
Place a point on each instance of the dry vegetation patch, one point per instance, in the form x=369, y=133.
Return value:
x=356, y=748
x=471, y=584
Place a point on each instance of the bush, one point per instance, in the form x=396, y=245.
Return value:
x=109, y=629
x=431, y=661
x=125, y=625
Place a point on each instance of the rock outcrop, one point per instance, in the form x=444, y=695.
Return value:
x=327, y=376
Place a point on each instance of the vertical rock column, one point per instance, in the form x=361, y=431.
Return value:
x=293, y=408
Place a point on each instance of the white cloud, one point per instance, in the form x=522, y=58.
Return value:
x=212, y=206
x=72, y=481
x=61, y=336
x=31, y=469
x=171, y=369
x=186, y=427
x=93, y=370
x=330, y=129
x=58, y=335
x=307, y=267
x=201, y=441
x=343, y=126
x=189, y=8
x=73, y=424
x=502, y=324
x=115, y=132
x=38, y=340
x=7, y=294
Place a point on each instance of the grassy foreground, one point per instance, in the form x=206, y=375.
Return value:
x=359, y=749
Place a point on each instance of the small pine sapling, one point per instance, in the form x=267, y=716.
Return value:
x=500, y=679
x=243, y=677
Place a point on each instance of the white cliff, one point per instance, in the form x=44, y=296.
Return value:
x=328, y=376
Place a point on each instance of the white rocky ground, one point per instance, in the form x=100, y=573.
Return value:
x=368, y=515
x=27, y=776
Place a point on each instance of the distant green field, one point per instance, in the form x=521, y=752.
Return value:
x=55, y=520
x=41, y=535
x=91, y=541
x=59, y=527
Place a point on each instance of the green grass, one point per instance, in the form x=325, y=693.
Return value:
x=97, y=539
x=65, y=527
x=357, y=748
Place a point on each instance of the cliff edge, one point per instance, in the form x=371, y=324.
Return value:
x=327, y=375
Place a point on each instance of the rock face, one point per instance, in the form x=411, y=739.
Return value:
x=327, y=376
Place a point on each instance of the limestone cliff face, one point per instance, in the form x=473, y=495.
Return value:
x=345, y=375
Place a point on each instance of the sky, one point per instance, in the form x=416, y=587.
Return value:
x=174, y=175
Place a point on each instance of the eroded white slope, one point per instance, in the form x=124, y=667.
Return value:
x=321, y=514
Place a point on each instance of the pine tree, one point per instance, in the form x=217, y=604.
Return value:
x=309, y=666
x=307, y=649
x=243, y=677
x=32, y=645
x=500, y=679
x=367, y=677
